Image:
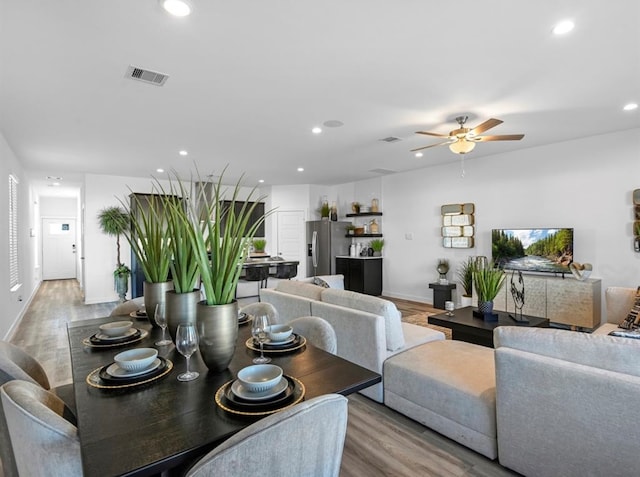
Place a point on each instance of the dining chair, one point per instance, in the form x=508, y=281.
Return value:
x=44, y=442
x=317, y=331
x=304, y=440
x=262, y=308
x=126, y=307
x=15, y=363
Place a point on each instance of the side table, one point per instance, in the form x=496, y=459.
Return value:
x=441, y=293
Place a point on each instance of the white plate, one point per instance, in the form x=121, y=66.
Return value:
x=118, y=372
x=285, y=341
x=130, y=332
x=240, y=391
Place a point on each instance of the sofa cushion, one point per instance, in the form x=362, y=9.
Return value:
x=632, y=321
x=370, y=304
x=306, y=290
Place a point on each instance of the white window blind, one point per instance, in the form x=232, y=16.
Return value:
x=14, y=275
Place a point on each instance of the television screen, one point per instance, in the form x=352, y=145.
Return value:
x=535, y=250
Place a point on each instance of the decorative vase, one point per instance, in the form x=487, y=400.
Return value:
x=485, y=307
x=465, y=301
x=122, y=286
x=217, y=333
x=154, y=293
x=180, y=308
x=377, y=254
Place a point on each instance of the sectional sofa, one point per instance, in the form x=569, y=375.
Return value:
x=369, y=329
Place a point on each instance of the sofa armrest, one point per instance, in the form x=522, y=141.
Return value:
x=619, y=301
x=555, y=417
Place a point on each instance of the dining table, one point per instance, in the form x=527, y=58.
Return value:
x=164, y=425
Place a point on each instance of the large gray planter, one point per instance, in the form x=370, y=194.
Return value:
x=180, y=308
x=154, y=293
x=217, y=334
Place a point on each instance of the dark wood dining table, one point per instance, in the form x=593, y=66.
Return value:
x=165, y=425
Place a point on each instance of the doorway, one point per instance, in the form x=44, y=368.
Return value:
x=291, y=237
x=58, y=249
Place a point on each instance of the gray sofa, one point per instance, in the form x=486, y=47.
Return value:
x=368, y=329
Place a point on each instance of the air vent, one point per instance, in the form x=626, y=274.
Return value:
x=382, y=172
x=146, y=76
x=391, y=139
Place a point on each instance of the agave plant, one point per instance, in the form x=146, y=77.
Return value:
x=488, y=282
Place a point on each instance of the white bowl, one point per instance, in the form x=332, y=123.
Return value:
x=260, y=377
x=279, y=332
x=116, y=328
x=136, y=359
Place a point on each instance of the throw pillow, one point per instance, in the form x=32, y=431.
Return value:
x=632, y=321
x=320, y=282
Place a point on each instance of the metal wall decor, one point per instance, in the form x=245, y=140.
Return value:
x=457, y=225
x=636, y=222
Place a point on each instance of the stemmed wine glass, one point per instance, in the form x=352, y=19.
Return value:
x=161, y=319
x=259, y=333
x=187, y=344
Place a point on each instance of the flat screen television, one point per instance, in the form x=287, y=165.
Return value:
x=533, y=250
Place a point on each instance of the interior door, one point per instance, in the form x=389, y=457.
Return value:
x=58, y=249
x=291, y=237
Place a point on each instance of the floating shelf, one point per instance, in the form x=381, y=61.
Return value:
x=363, y=235
x=365, y=214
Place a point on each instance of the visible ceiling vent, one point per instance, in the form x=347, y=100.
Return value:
x=391, y=139
x=382, y=172
x=147, y=76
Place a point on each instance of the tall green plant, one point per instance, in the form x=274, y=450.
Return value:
x=114, y=221
x=146, y=236
x=488, y=282
x=465, y=275
x=221, y=252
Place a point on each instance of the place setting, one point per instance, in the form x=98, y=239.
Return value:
x=272, y=339
x=140, y=314
x=258, y=390
x=243, y=318
x=130, y=368
x=115, y=333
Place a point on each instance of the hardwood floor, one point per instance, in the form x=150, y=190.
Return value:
x=380, y=442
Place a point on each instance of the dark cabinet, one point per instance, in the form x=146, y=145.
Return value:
x=363, y=275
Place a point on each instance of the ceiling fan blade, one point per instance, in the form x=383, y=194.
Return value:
x=432, y=134
x=503, y=137
x=432, y=145
x=488, y=124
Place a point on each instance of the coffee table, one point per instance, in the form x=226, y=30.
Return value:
x=467, y=327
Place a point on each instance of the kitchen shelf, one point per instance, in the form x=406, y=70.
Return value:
x=363, y=235
x=365, y=214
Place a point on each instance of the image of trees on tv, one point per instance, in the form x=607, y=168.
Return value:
x=540, y=250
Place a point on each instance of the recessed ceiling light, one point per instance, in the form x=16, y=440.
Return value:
x=56, y=184
x=565, y=26
x=183, y=153
x=419, y=154
x=316, y=130
x=177, y=8
x=630, y=106
x=300, y=169
x=160, y=170
x=260, y=181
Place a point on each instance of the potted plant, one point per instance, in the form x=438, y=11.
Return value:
x=325, y=210
x=114, y=221
x=351, y=229
x=147, y=238
x=465, y=275
x=220, y=253
x=376, y=245
x=259, y=245
x=488, y=282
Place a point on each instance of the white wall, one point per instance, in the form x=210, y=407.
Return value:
x=14, y=303
x=586, y=184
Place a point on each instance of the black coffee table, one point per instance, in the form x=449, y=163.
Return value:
x=467, y=327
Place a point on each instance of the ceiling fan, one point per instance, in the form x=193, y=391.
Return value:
x=463, y=140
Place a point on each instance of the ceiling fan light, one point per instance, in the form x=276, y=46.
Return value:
x=462, y=147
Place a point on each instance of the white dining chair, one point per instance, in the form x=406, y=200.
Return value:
x=44, y=442
x=126, y=307
x=15, y=363
x=262, y=308
x=304, y=440
x=317, y=331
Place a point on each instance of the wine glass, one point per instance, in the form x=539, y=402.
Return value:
x=259, y=333
x=449, y=306
x=187, y=344
x=161, y=319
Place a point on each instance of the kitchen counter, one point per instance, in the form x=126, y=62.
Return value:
x=358, y=258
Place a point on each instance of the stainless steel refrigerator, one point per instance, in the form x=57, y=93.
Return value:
x=325, y=240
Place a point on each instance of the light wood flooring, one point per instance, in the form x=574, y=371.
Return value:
x=380, y=442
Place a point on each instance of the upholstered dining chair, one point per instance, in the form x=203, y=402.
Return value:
x=15, y=363
x=44, y=442
x=126, y=307
x=262, y=308
x=317, y=331
x=304, y=440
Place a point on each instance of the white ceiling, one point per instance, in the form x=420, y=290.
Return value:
x=248, y=79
